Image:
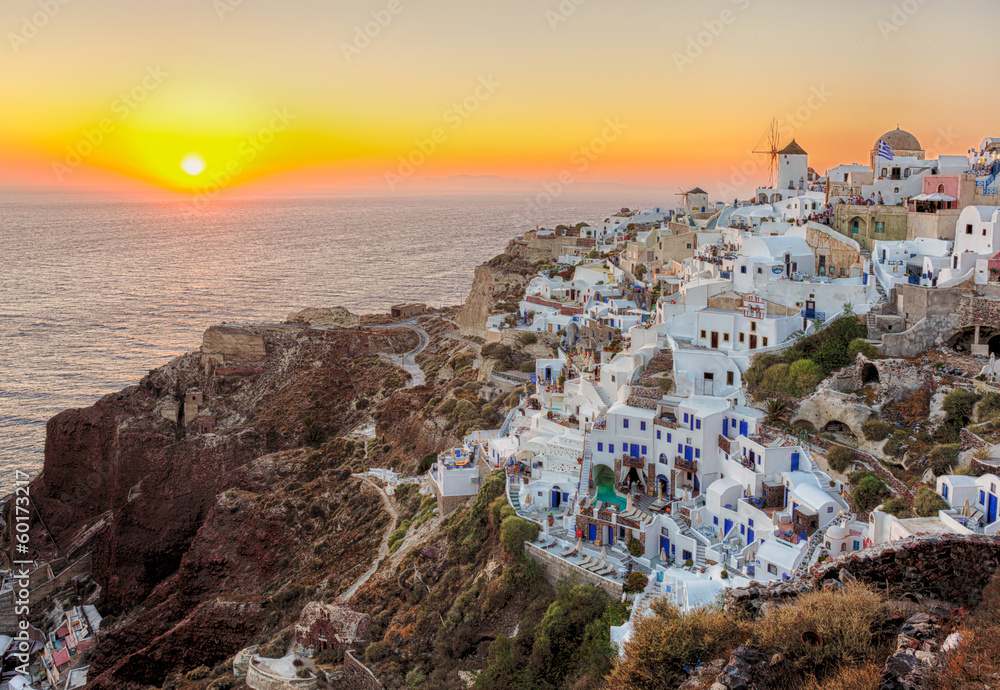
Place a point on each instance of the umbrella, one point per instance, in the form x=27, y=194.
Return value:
x=604, y=553
x=579, y=544
x=697, y=518
x=966, y=509
x=628, y=501
x=527, y=498
x=663, y=554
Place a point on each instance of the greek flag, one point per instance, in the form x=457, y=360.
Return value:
x=885, y=151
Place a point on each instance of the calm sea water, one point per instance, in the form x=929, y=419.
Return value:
x=94, y=292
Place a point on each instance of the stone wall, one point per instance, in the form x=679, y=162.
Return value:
x=557, y=569
x=893, y=217
x=357, y=676
x=260, y=679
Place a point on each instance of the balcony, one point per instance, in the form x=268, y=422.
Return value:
x=666, y=423
x=685, y=465
x=725, y=445
x=633, y=461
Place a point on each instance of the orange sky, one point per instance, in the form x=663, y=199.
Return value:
x=378, y=94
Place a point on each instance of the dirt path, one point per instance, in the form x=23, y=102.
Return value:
x=383, y=551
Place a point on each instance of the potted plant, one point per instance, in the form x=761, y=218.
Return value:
x=552, y=519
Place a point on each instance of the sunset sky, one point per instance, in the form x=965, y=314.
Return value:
x=315, y=94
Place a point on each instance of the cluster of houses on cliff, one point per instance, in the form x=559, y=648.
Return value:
x=637, y=448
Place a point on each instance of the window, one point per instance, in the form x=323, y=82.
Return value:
x=703, y=335
x=857, y=545
x=611, y=448
x=968, y=229
x=697, y=452
x=753, y=326
x=743, y=269
x=725, y=337
x=689, y=246
x=742, y=338
x=760, y=271
x=773, y=569
x=686, y=555
x=743, y=529
x=944, y=491
x=644, y=450
x=730, y=379
x=600, y=447
x=715, y=521
x=642, y=426
x=879, y=227
x=669, y=437
x=686, y=417
x=764, y=340
x=829, y=509
x=680, y=447
x=982, y=498
x=697, y=424
x=658, y=437
x=750, y=522
x=625, y=423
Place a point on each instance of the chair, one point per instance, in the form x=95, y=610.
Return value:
x=568, y=553
x=604, y=571
x=587, y=560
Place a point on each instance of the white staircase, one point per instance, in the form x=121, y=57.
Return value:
x=588, y=457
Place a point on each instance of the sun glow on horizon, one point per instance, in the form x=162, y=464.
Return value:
x=193, y=164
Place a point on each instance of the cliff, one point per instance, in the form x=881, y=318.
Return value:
x=500, y=281
x=200, y=504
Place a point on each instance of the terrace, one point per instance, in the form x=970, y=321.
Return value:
x=633, y=461
x=685, y=465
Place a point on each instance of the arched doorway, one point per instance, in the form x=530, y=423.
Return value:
x=556, y=497
x=869, y=374
x=994, y=344
x=662, y=487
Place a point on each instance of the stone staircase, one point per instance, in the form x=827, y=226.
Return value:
x=588, y=459
x=815, y=542
x=699, y=548
x=515, y=502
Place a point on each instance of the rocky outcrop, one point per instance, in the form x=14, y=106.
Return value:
x=825, y=406
x=232, y=344
x=338, y=317
x=493, y=283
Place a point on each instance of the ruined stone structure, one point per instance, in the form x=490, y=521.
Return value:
x=329, y=626
x=231, y=344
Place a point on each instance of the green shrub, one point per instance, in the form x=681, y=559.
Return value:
x=635, y=548
x=527, y=339
x=959, y=404
x=514, y=531
x=803, y=377
x=896, y=506
x=775, y=378
x=869, y=492
x=876, y=430
x=927, y=503
x=943, y=457
x=429, y=459
x=839, y=458
x=989, y=407
x=636, y=581
x=199, y=673
x=864, y=347
x=377, y=651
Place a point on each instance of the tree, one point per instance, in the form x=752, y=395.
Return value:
x=514, y=531
x=869, y=493
x=639, y=271
x=943, y=457
x=777, y=408
x=896, y=506
x=927, y=503
x=803, y=376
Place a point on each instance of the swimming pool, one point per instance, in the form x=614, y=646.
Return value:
x=605, y=483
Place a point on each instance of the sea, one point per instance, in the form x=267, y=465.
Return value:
x=97, y=290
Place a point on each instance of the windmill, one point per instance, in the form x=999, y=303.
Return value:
x=770, y=145
x=684, y=195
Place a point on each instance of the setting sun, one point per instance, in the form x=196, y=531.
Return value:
x=193, y=164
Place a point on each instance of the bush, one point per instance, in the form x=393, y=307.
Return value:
x=429, y=459
x=839, y=458
x=199, y=673
x=876, y=430
x=959, y=404
x=859, y=345
x=527, y=338
x=869, y=492
x=635, y=548
x=514, y=531
x=662, y=646
x=896, y=506
x=636, y=581
x=377, y=651
x=927, y=503
x=775, y=378
x=943, y=457
x=330, y=656
x=989, y=407
x=849, y=622
x=803, y=377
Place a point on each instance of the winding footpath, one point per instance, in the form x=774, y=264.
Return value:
x=383, y=551
x=408, y=361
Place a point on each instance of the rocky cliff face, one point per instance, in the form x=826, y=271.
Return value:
x=187, y=519
x=501, y=279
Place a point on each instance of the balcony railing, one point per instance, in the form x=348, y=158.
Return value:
x=667, y=423
x=725, y=445
x=633, y=461
x=685, y=465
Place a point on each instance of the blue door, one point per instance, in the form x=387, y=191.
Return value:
x=556, y=498
x=744, y=428
x=725, y=426
x=688, y=453
x=729, y=526
x=635, y=451
x=665, y=547
x=795, y=462
x=592, y=533
x=991, y=513
x=749, y=536
x=611, y=536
